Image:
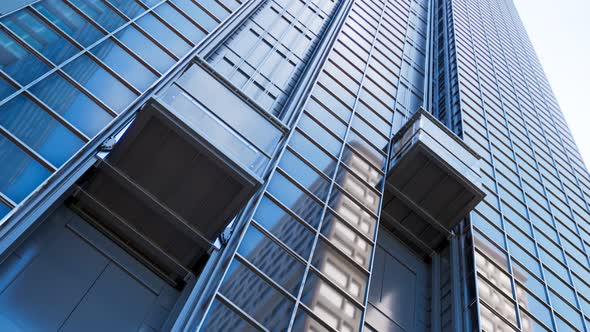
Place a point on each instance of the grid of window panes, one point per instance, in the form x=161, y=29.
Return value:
x=305, y=257
x=67, y=68
x=532, y=232
x=267, y=54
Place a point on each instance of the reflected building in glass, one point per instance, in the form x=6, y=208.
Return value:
x=285, y=165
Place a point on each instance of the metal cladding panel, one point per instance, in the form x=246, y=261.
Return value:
x=433, y=181
x=67, y=276
x=399, y=298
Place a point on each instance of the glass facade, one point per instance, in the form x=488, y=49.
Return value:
x=307, y=251
x=531, y=233
x=306, y=95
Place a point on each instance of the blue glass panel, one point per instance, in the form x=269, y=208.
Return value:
x=186, y=27
x=221, y=318
x=317, y=291
x=69, y=21
x=163, y=34
x=145, y=48
x=197, y=14
x=295, y=199
x=20, y=174
x=310, y=151
x=562, y=326
x=101, y=83
x=304, y=174
x=320, y=135
x=3, y=208
x=127, y=7
x=343, y=237
x=35, y=127
x=284, y=226
x=256, y=297
x=150, y=3
x=124, y=64
x=272, y=260
x=336, y=268
x=5, y=89
x=72, y=104
x=100, y=13
x=14, y=59
x=305, y=322
x=215, y=8
x=231, y=4
x=37, y=34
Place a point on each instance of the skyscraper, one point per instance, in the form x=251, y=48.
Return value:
x=285, y=165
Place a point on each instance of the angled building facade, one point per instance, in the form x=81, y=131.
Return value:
x=285, y=165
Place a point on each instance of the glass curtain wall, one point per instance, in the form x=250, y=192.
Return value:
x=532, y=232
x=305, y=257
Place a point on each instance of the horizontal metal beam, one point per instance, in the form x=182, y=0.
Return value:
x=121, y=221
x=417, y=209
x=143, y=194
x=398, y=226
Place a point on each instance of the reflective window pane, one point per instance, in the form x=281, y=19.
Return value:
x=37, y=34
x=101, y=83
x=72, y=104
x=180, y=22
x=340, y=271
x=145, y=48
x=164, y=35
x=272, y=260
x=304, y=174
x=128, y=7
x=529, y=324
x=222, y=318
x=36, y=128
x=295, y=199
x=20, y=173
x=3, y=208
x=101, y=13
x=14, y=59
x=231, y=4
x=196, y=13
x=6, y=89
x=124, y=64
x=498, y=301
x=150, y=3
x=490, y=321
x=256, y=297
x=284, y=226
x=347, y=240
x=310, y=151
x=305, y=322
x=330, y=305
x=69, y=21
x=319, y=134
x=215, y=8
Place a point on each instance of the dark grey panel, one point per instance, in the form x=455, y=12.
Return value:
x=400, y=288
x=116, y=302
x=67, y=276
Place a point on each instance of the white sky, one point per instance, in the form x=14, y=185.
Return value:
x=560, y=32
